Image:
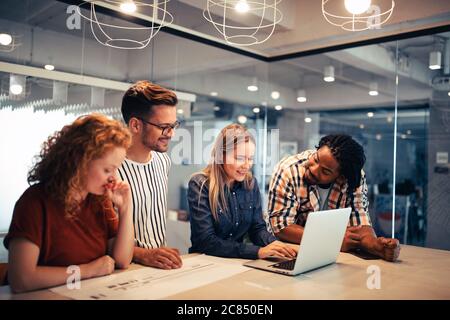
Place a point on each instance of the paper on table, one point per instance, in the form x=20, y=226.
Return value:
x=150, y=283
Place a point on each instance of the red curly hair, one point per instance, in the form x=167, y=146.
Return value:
x=62, y=163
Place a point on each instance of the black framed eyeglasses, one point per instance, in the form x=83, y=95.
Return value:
x=165, y=128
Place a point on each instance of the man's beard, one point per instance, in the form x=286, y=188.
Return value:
x=152, y=146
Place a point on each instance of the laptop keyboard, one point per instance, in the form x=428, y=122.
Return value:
x=286, y=265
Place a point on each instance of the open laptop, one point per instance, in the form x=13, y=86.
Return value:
x=320, y=245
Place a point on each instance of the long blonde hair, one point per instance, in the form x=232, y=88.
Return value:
x=226, y=142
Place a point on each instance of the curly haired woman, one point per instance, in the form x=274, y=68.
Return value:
x=75, y=212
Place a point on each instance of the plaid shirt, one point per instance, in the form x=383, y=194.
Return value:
x=291, y=198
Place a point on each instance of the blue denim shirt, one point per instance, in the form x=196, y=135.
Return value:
x=225, y=237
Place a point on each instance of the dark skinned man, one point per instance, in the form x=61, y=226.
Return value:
x=329, y=177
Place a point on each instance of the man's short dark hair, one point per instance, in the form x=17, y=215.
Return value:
x=350, y=156
x=140, y=98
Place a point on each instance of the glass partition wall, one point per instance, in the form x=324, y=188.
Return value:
x=384, y=95
x=350, y=91
x=423, y=135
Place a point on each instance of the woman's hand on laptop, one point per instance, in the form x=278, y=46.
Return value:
x=277, y=249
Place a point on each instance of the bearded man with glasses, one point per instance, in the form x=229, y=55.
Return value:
x=150, y=112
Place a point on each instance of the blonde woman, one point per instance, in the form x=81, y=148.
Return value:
x=225, y=203
x=67, y=216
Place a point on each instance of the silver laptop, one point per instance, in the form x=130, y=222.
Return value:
x=320, y=245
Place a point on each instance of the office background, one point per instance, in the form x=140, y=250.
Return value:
x=380, y=89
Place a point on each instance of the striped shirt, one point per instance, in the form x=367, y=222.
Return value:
x=291, y=198
x=148, y=182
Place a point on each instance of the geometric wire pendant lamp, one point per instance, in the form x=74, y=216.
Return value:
x=224, y=14
x=128, y=36
x=357, y=15
x=9, y=42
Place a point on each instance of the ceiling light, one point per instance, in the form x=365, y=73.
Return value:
x=49, y=67
x=360, y=15
x=17, y=84
x=252, y=88
x=435, y=60
x=408, y=132
x=214, y=94
x=242, y=119
x=128, y=7
x=361, y=126
x=378, y=136
x=180, y=111
x=275, y=95
x=403, y=136
x=216, y=108
x=449, y=93
x=328, y=74
x=357, y=6
x=278, y=107
x=242, y=6
x=16, y=89
x=389, y=119
x=220, y=13
x=308, y=120
x=301, y=96
x=5, y=39
x=254, y=85
x=119, y=33
x=256, y=110
x=370, y=114
x=373, y=89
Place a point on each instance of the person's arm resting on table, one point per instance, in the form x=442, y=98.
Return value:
x=163, y=257
x=284, y=205
x=361, y=235
x=25, y=275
